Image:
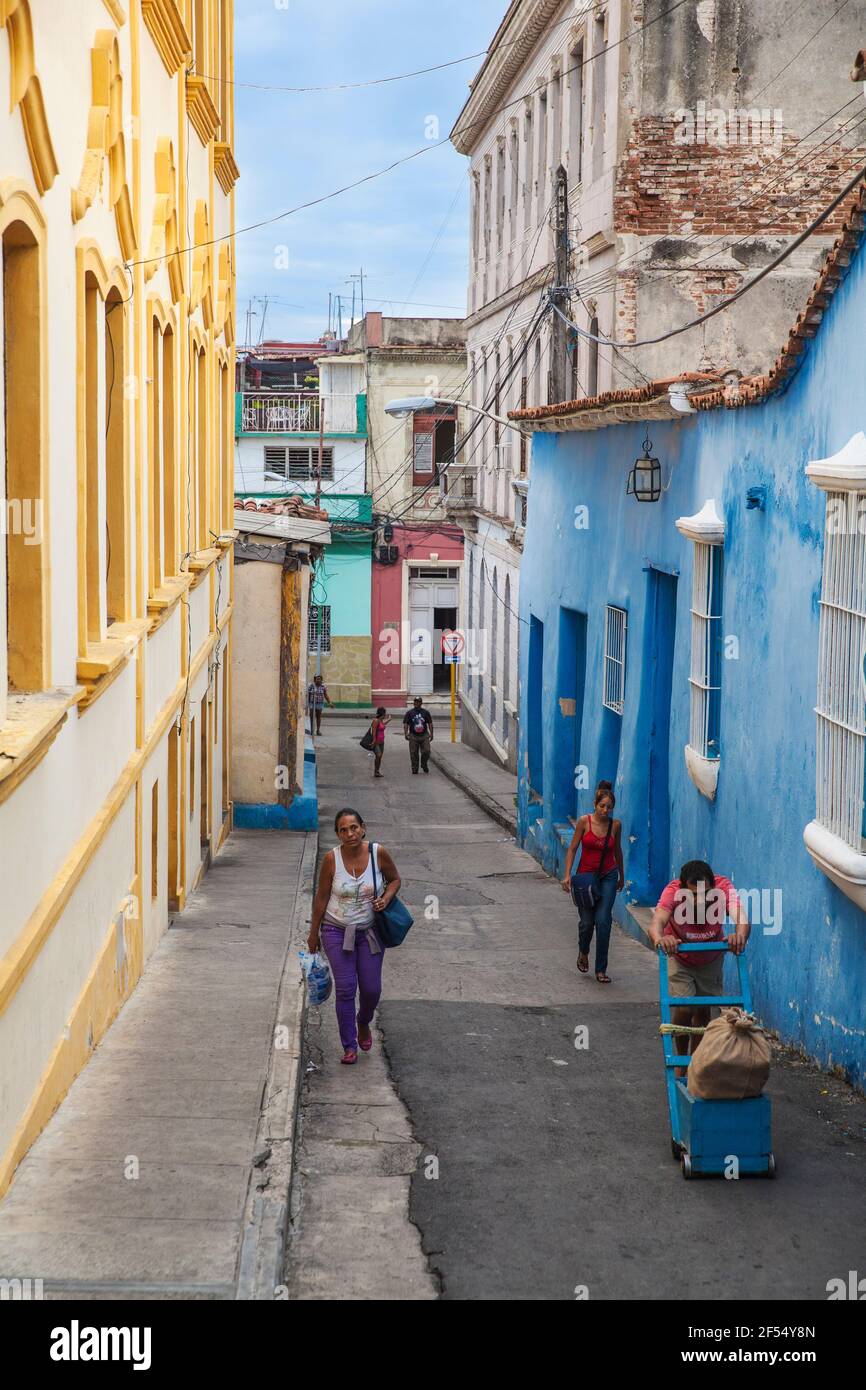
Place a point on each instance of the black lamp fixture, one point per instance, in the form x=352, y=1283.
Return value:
x=645, y=478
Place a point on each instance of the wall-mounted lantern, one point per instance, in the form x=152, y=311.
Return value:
x=645, y=478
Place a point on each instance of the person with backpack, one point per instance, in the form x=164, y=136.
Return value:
x=377, y=729
x=418, y=730
x=599, y=837
x=342, y=923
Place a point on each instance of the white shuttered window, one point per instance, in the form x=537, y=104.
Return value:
x=616, y=622
x=705, y=677
x=841, y=648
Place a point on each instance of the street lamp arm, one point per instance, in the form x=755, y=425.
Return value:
x=410, y=404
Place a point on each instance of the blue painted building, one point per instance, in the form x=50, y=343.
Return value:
x=676, y=647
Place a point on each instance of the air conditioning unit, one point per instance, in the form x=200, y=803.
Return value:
x=388, y=554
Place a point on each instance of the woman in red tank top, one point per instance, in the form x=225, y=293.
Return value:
x=599, y=837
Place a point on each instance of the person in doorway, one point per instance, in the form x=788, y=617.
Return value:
x=599, y=838
x=418, y=729
x=377, y=729
x=342, y=922
x=695, y=908
x=317, y=698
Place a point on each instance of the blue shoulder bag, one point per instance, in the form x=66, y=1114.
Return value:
x=585, y=890
x=392, y=925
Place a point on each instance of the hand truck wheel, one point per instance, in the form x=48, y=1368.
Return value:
x=771, y=1166
x=685, y=1165
x=676, y=1149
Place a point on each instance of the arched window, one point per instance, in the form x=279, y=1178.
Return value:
x=103, y=463
x=592, y=371
x=24, y=643
x=481, y=647
x=494, y=644
x=470, y=609
x=507, y=619
x=162, y=459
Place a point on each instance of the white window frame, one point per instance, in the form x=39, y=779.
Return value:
x=839, y=708
x=835, y=837
x=615, y=637
x=706, y=530
x=706, y=623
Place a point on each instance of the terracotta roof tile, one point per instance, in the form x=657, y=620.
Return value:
x=285, y=506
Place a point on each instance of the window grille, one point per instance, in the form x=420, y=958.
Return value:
x=299, y=463
x=319, y=628
x=841, y=731
x=616, y=624
x=275, y=461
x=705, y=678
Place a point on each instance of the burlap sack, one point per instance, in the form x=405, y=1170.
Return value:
x=733, y=1059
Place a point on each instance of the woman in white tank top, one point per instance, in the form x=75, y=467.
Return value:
x=342, y=924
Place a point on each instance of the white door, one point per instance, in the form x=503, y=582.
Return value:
x=425, y=596
x=421, y=637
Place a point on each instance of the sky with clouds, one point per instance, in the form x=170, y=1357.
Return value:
x=408, y=229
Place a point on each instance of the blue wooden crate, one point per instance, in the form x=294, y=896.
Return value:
x=707, y=1134
x=712, y=1132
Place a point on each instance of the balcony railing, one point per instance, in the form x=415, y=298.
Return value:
x=297, y=413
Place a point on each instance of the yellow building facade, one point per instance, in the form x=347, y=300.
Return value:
x=117, y=182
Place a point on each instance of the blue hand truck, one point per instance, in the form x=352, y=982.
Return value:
x=706, y=1135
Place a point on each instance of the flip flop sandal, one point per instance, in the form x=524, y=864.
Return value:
x=604, y=979
x=585, y=967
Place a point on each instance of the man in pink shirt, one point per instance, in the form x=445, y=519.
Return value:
x=695, y=908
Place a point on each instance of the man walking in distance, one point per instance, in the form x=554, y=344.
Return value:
x=418, y=729
x=317, y=697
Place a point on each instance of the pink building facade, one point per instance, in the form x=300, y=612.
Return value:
x=416, y=595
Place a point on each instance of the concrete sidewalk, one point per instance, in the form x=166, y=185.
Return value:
x=492, y=788
x=143, y=1184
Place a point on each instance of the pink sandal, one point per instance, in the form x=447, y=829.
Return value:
x=366, y=1044
x=349, y=1057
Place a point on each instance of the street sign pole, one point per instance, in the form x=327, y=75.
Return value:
x=453, y=702
x=452, y=646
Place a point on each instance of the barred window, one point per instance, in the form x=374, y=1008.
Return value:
x=616, y=623
x=319, y=628
x=706, y=670
x=298, y=463
x=841, y=729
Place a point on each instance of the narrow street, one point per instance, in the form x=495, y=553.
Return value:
x=553, y=1177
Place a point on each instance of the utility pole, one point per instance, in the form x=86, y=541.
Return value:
x=559, y=293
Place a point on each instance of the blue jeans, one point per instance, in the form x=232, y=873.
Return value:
x=598, y=918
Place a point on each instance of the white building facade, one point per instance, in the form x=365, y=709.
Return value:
x=534, y=104
x=681, y=184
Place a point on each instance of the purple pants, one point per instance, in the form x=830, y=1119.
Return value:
x=355, y=972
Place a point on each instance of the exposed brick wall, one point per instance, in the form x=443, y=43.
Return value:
x=669, y=189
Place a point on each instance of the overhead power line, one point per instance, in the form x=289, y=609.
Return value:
x=404, y=159
x=738, y=294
